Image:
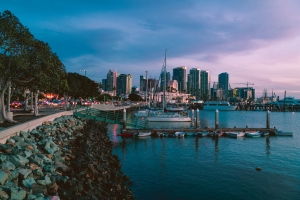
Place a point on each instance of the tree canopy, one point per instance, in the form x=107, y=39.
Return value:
x=26, y=62
x=82, y=86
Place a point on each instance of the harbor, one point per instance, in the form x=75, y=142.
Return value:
x=177, y=167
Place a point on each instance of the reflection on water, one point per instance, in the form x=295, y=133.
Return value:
x=197, y=145
x=267, y=145
x=190, y=168
x=169, y=125
x=216, y=148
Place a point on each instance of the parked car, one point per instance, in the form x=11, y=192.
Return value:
x=17, y=104
x=44, y=103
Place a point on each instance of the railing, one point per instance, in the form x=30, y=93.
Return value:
x=112, y=117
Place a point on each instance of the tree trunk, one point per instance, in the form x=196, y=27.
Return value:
x=2, y=107
x=26, y=100
x=36, y=109
x=66, y=106
x=3, y=116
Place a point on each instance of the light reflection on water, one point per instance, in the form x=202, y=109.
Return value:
x=206, y=168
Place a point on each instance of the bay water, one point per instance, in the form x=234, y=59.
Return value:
x=207, y=168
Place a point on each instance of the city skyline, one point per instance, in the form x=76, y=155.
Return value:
x=253, y=41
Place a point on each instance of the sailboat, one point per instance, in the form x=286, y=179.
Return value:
x=162, y=116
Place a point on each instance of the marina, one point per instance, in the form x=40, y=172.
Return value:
x=190, y=167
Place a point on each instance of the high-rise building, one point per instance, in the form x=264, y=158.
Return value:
x=204, y=85
x=124, y=84
x=142, y=86
x=104, y=84
x=152, y=84
x=162, y=81
x=193, y=83
x=223, y=83
x=179, y=74
x=129, y=84
x=111, y=78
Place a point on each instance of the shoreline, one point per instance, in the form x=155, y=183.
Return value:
x=68, y=157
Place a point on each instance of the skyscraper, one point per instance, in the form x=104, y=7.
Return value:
x=205, y=85
x=129, y=84
x=179, y=74
x=193, y=83
x=162, y=81
x=124, y=84
x=104, y=84
x=223, y=81
x=142, y=86
x=111, y=80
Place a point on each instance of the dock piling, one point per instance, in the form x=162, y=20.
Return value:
x=268, y=119
x=217, y=119
x=197, y=119
x=124, y=118
x=193, y=118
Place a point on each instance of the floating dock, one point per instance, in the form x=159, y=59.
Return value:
x=172, y=131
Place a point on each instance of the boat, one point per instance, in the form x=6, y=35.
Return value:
x=218, y=105
x=217, y=133
x=127, y=134
x=144, y=134
x=235, y=134
x=167, y=117
x=179, y=134
x=264, y=133
x=288, y=101
x=283, y=133
x=174, y=108
x=190, y=133
x=253, y=134
x=141, y=113
x=162, y=134
x=202, y=133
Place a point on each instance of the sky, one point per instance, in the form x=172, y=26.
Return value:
x=255, y=42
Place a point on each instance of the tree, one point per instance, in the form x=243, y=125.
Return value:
x=81, y=86
x=15, y=43
x=26, y=62
x=135, y=97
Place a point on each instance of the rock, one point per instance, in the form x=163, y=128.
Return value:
x=52, y=189
x=3, y=195
x=28, y=182
x=24, y=134
x=13, y=175
x=39, y=189
x=17, y=193
x=18, y=160
x=49, y=168
x=21, y=144
x=5, y=148
x=7, y=166
x=36, y=160
x=17, y=138
x=25, y=172
x=60, y=165
x=31, y=197
x=3, y=177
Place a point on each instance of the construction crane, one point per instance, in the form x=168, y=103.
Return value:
x=247, y=83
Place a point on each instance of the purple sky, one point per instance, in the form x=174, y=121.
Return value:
x=253, y=41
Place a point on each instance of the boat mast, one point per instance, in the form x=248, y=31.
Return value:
x=165, y=81
x=146, y=88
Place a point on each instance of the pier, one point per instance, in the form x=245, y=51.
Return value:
x=121, y=117
x=172, y=131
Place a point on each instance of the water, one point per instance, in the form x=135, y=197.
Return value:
x=224, y=168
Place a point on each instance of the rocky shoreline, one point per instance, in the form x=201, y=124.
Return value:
x=68, y=158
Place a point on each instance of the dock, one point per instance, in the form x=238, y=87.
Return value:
x=172, y=131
